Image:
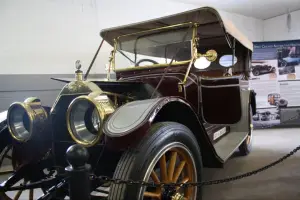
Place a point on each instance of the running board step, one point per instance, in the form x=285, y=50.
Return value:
x=226, y=146
x=101, y=192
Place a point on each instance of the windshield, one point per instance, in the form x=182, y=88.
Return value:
x=153, y=48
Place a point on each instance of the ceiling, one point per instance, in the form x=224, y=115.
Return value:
x=261, y=9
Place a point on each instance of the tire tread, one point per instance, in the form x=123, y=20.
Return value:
x=127, y=161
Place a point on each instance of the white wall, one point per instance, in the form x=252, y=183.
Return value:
x=48, y=36
x=251, y=27
x=276, y=28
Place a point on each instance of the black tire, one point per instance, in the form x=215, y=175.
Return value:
x=282, y=103
x=256, y=72
x=4, y=154
x=246, y=147
x=134, y=163
x=255, y=118
x=283, y=63
x=273, y=70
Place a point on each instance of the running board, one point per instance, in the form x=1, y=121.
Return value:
x=101, y=192
x=227, y=145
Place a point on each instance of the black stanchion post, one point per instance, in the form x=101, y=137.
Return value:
x=78, y=171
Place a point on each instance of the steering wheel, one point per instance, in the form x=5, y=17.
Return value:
x=145, y=60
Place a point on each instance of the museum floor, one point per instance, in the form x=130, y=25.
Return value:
x=280, y=182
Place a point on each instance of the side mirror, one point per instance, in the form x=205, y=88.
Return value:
x=228, y=60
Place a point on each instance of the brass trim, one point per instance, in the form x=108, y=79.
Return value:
x=117, y=95
x=26, y=105
x=187, y=72
x=153, y=66
x=157, y=29
x=113, y=53
x=194, y=55
x=210, y=55
x=76, y=87
x=32, y=99
x=104, y=108
x=30, y=114
x=178, y=196
x=79, y=76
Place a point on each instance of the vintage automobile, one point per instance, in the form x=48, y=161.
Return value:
x=180, y=102
x=288, y=56
x=256, y=117
x=289, y=69
x=275, y=99
x=291, y=60
x=265, y=116
x=262, y=69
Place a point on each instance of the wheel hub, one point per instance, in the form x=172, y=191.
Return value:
x=177, y=196
x=168, y=193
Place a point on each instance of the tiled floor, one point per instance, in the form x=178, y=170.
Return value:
x=279, y=183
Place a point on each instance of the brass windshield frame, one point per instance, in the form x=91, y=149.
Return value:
x=113, y=52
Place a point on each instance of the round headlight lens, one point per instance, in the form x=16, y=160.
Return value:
x=96, y=120
x=19, y=122
x=84, y=122
x=27, y=119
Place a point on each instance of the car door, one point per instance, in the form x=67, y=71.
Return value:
x=221, y=100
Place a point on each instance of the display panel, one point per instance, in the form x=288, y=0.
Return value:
x=275, y=77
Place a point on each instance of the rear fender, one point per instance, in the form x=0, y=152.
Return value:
x=129, y=124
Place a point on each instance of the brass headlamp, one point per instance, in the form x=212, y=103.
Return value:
x=86, y=115
x=210, y=55
x=26, y=119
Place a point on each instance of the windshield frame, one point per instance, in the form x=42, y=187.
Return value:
x=130, y=68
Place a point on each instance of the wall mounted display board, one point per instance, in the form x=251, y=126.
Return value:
x=275, y=77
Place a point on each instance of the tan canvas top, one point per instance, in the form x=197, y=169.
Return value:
x=207, y=17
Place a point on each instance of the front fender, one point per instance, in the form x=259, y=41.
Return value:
x=129, y=123
x=131, y=116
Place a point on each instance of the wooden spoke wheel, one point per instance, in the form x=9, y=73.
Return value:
x=22, y=194
x=7, y=156
x=174, y=166
x=6, y=160
x=168, y=154
x=30, y=194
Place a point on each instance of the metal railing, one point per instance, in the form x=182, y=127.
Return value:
x=80, y=178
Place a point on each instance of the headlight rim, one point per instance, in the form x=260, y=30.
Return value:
x=100, y=112
x=29, y=113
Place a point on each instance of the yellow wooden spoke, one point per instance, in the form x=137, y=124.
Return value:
x=154, y=177
x=31, y=194
x=152, y=195
x=172, y=164
x=163, y=168
x=185, y=180
x=178, y=171
x=17, y=196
